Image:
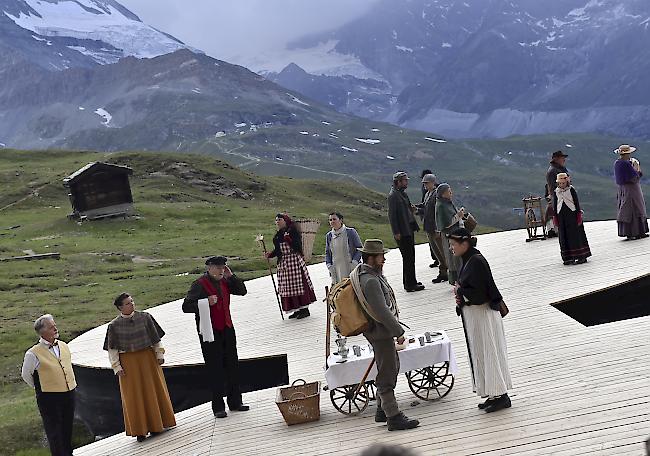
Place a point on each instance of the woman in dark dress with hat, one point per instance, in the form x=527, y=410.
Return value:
x=478, y=301
x=574, y=247
x=294, y=284
x=631, y=217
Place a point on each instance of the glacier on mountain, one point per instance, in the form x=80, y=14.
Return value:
x=96, y=21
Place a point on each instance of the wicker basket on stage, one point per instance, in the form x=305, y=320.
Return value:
x=299, y=403
x=308, y=229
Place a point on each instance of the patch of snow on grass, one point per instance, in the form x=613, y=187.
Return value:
x=349, y=149
x=435, y=140
x=368, y=140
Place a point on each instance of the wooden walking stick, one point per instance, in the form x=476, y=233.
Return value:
x=260, y=239
x=328, y=327
x=364, y=378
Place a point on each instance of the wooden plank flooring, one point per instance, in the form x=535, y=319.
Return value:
x=577, y=390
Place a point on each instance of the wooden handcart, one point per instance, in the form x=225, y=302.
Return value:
x=429, y=370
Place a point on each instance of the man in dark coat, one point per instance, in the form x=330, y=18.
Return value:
x=429, y=222
x=209, y=299
x=420, y=206
x=401, y=215
x=556, y=166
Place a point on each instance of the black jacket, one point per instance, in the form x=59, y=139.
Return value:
x=429, y=213
x=196, y=292
x=551, y=175
x=476, y=284
x=296, y=241
x=402, y=221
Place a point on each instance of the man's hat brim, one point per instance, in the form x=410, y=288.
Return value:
x=216, y=261
x=385, y=250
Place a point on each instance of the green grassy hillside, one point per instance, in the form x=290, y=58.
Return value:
x=182, y=217
x=489, y=177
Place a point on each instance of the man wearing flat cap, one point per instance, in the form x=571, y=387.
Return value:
x=556, y=166
x=401, y=215
x=209, y=300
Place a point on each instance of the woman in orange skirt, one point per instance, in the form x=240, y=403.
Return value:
x=136, y=353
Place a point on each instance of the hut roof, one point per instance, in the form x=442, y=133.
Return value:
x=94, y=165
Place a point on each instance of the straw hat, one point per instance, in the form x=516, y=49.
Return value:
x=373, y=247
x=561, y=177
x=624, y=149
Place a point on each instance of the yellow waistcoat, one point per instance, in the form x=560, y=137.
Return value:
x=55, y=375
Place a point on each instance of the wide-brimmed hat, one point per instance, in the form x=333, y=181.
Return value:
x=216, y=261
x=429, y=178
x=624, y=149
x=399, y=175
x=460, y=234
x=561, y=176
x=373, y=247
x=558, y=154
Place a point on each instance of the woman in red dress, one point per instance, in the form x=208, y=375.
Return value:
x=294, y=285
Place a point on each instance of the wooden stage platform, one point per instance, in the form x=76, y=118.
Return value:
x=577, y=390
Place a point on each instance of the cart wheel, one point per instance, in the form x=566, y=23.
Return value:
x=346, y=402
x=531, y=223
x=431, y=383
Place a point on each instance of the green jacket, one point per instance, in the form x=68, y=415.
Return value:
x=445, y=213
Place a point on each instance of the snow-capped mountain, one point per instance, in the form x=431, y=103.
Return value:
x=493, y=67
x=59, y=34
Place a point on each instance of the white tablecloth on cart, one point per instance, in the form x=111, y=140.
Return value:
x=412, y=357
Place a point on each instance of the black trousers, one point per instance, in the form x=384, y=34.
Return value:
x=406, y=246
x=57, y=412
x=222, y=366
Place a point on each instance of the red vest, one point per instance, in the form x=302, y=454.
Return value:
x=220, y=312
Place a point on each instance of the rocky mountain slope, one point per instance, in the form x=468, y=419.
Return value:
x=488, y=67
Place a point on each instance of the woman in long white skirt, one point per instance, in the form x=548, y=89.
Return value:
x=478, y=302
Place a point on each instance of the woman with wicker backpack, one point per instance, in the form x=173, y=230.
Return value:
x=294, y=284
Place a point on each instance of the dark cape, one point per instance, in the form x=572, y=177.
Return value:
x=278, y=238
x=133, y=334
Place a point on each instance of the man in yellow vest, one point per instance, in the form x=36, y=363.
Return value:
x=48, y=369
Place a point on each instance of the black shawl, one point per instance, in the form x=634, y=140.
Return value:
x=476, y=284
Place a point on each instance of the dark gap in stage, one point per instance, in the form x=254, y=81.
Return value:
x=630, y=299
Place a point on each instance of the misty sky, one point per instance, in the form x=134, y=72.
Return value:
x=228, y=28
